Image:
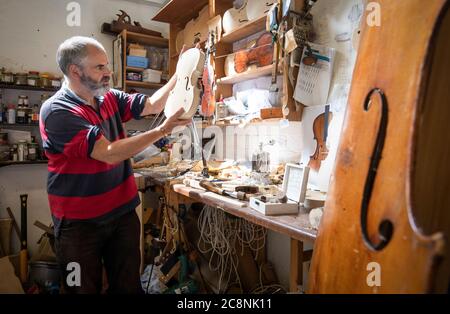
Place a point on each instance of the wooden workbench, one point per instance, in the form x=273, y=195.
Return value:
x=297, y=227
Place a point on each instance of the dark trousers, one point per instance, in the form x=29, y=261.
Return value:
x=114, y=245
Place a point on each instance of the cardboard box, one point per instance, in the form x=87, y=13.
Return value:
x=270, y=113
x=137, y=50
x=137, y=62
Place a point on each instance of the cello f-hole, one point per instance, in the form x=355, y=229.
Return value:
x=386, y=227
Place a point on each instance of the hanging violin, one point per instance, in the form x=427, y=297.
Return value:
x=208, y=102
x=320, y=130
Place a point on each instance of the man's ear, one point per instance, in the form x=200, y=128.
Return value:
x=75, y=71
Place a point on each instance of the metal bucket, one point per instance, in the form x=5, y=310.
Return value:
x=45, y=274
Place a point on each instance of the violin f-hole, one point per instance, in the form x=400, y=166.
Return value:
x=386, y=227
x=187, y=83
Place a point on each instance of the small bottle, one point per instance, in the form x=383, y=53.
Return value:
x=20, y=114
x=35, y=114
x=11, y=114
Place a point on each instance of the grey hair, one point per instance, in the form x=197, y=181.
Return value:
x=74, y=50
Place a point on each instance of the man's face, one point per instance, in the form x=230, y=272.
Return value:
x=95, y=74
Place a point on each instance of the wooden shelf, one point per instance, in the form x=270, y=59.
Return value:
x=143, y=84
x=245, y=30
x=32, y=88
x=147, y=40
x=258, y=72
x=7, y=125
x=180, y=11
x=27, y=162
x=134, y=69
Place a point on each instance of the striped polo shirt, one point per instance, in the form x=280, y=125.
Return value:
x=80, y=187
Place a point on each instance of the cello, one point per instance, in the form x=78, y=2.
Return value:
x=386, y=222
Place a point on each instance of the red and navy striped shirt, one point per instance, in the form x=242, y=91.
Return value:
x=80, y=187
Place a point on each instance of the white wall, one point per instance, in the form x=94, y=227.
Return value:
x=30, y=32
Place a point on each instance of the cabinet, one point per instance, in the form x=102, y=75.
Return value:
x=127, y=37
x=179, y=12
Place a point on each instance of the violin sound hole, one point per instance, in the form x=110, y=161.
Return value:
x=386, y=228
x=187, y=83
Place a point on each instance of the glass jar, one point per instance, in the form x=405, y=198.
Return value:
x=33, y=151
x=21, y=79
x=56, y=82
x=20, y=115
x=33, y=78
x=28, y=114
x=23, y=100
x=45, y=80
x=7, y=78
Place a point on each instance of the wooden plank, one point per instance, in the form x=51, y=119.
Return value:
x=134, y=69
x=245, y=30
x=143, y=84
x=44, y=227
x=147, y=40
x=295, y=226
x=26, y=87
x=255, y=73
x=179, y=11
x=296, y=266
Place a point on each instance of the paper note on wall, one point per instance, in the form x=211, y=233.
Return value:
x=313, y=81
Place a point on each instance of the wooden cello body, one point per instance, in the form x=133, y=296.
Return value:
x=386, y=222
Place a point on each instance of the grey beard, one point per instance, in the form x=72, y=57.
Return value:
x=97, y=89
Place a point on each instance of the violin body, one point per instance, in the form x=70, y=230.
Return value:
x=233, y=18
x=261, y=54
x=187, y=90
x=319, y=131
x=386, y=221
x=208, y=102
x=257, y=8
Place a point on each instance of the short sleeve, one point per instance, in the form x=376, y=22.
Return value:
x=69, y=134
x=130, y=105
